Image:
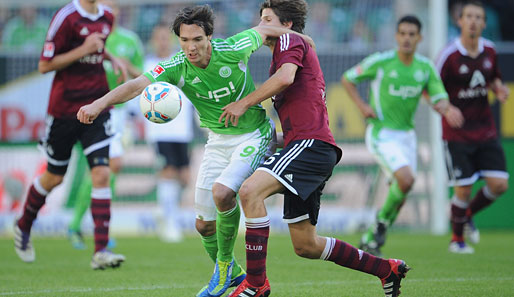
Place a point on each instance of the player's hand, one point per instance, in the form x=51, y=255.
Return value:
x=88, y=113
x=232, y=112
x=502, y=93
x=94, y=43
x=367, y=111
x=454, y=117
x=120, y=67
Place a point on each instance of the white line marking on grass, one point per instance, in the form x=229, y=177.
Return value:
x=278, y=284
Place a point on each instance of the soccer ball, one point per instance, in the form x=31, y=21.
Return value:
x=161, y=102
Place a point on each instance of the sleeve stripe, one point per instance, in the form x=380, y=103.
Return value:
x=284, y=42
x=58, y=20
x=438, y=97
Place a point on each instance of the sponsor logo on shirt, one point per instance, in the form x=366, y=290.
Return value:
x=48, y=49
x=405, y=91
x=477, y=87
x=158, y=70
x=487, y=64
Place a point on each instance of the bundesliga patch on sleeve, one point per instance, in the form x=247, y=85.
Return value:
x=158, y=70
x=48, y=49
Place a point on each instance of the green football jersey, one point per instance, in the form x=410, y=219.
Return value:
x=124, y=44
x=226, y=79
x=396, y=88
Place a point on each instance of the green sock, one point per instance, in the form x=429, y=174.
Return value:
x=392, y=205
x=210, y=244
x=227, y=225
x=82, y=203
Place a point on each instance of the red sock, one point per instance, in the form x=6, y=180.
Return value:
x=35, y=200
x=257, y=233
x=101, y=211
x=482, y=199
x=346, y=255
x=458, y=218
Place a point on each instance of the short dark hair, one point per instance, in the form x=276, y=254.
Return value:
x=294, y=11
x=410, y=19
x=472, y=3
x=200, y=15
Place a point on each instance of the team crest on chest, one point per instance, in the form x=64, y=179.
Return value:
x=225, y=71
x=419, y=76
x=487, y=64
x=463, y=69
x=106, y=30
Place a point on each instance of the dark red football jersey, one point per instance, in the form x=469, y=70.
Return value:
x=467, y=81
x=84, y=80
x=302, y=106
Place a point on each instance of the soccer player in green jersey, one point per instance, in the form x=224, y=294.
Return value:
x=212, y=73
x=125, y=45
x=398, y=80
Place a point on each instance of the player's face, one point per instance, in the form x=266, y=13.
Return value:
x=195, y=44
x=472, y=21
x=269, y=18
x=407, y=37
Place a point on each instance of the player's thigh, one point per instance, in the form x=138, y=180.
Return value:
x=260, y=184
x=459, y=163
x=57, y=143
x=392, y=149
x=303, y=234
x=96, y=139
x=490, y=160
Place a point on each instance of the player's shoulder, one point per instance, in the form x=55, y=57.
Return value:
x=176, y=62
x=379, y=57
x=236, y=42
x=107, y=11
x=127, y=33
x=488, y=44
x=423, y=60
x=60, y=19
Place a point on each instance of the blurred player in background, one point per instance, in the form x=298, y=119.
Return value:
x=74, y=48
x=302, y=168
x=171, y=142
x=469, y=68
x=212, y=73
x=127, y=47
x=398, y=79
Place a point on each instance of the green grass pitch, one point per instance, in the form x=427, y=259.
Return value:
x=157, y=269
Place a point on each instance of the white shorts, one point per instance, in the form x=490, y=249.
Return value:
x=118, y=118
x=229, y=160
x=393, y=149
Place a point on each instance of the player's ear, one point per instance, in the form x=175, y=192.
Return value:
x=288, y=24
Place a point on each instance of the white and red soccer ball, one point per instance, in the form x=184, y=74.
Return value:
x=161, y=102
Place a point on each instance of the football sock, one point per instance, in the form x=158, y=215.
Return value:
x=101, y=212
x=35, y=200
x=82, y=203
x=227, y=224
x=257, y=233
x=168, y=196
x=458, y=218
x=346, y=255
x=392, y=205
x=482, y=199
x=210, y=244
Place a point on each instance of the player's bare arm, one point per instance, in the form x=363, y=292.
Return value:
x=351, y=89
x=278, y=82
x=129, y=90
x=93, y=43
x=451, y=113
x=502, y=91
x=274, y=31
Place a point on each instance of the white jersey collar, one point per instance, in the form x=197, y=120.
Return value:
x=463, y=50
x=86, y=14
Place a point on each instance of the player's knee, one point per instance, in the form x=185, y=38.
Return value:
x=100, y=176
x=305, y=251
x=405, y=183
x=499, y=188
x=205, y=228
x=49, y=180
x=245, y=195
x=223, y=196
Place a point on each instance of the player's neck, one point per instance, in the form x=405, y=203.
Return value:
x=405, y=58
x=470, y=44
x=90, y=7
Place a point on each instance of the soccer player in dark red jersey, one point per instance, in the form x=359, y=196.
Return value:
x=74, y=48
x=469, y=68
x=301, y=169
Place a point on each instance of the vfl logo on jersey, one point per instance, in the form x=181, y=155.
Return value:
x=225, y=71
x=84, y=31
x=463, y=69
x=158, y=70
x=405, y=91
x=48, y=49
x=419, y=76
